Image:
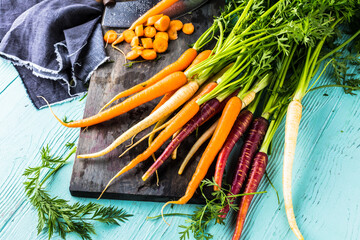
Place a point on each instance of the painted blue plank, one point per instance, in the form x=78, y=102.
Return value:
x=325, y=202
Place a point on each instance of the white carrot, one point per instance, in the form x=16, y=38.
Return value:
x=293, y=118
x=178, y=99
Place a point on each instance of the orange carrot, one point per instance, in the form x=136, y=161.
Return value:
x=226, y=121
x=169, y=83
x=176, y=24
x=293, y=117
x=110, y=36
x=160, y=45
x=164, y=35
x=132, y=55
x=179, y=98
x=199, y=58
x=172, y=33
x=128, y=35
x=118, y=40
x=139, y=30
x=151, y=20
x=185, y=114
x=188, y=28
x=134, y=41
x=183, y=62
x=148, y=54
x=157, y=9
x=149, y=32
x=147, y=42
x=162, y=24
x=166, y=97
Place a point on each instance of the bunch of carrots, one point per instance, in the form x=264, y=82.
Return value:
x=149, y=38
x=264, y=52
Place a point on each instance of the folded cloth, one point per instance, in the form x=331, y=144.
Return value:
x=55, y=45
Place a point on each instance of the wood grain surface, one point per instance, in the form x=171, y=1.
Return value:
x=326, y=172
x=90, y=176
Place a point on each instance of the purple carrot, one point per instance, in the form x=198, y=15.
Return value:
x=252, y=143
x=240, y=126
x=207, y=110
x=257, y=172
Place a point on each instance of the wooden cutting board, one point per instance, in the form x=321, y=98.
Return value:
x=90, y=176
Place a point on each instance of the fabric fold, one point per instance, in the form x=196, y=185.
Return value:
x=56, y=45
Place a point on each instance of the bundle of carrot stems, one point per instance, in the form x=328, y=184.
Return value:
x=264, y=52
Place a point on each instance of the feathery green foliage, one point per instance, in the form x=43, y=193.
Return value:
x=56, y=215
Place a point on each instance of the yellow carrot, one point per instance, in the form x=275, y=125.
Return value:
x=206, y=135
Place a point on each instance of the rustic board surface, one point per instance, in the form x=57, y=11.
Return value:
x=90, y=176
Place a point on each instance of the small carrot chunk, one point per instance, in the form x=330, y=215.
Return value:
x=148, y=54
x=147, y=42
x=139, y=30
x=177, y=24
x=160, y=45
x=132, y=55
x=151, y=20
x=172, y=33
x=164, y=35
x=162, y=24
x=149, y=32
x=110, y=36
x=128, y=35
x=134, y=42
x=139, y=48
x=188, y=28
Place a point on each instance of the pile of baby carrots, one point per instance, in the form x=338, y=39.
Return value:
x=150, y=38
x=264, y=52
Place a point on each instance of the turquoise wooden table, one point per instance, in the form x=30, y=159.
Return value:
x=325, y=190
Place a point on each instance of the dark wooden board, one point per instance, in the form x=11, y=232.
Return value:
x=90, y=176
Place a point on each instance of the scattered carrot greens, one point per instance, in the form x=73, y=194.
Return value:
x=202, y=217
x=56, y=215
